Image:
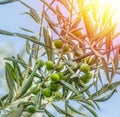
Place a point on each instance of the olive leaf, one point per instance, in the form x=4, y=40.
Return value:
x=61, y=110
x=10, y=78
x=90, y=110
x=7, y=1
x=75, y=110
x=48, y=41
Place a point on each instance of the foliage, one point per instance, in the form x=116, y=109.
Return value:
x=33, y=85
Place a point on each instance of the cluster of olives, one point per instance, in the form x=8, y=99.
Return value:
x=85, y=68
x=53, y=85
x=49, y=64
x=52, y=88
x=58, y=44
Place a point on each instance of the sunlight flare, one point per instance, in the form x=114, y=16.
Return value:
x=108, y=9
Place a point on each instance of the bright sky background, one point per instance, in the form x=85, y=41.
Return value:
x=11, y=20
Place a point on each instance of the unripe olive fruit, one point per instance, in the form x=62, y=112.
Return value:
x=31, y=109
x=58, y=44
x=36, y=91
x=47, y=92
x=53, y=86
x=41, y=63
x=49, y=65
x=85, y=68
x=66, y=49
x=54, y=77
x=61, y=75
x=77, y=33
x=86, y=77
x=58, y=95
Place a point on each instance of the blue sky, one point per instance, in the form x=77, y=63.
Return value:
x=11, y=20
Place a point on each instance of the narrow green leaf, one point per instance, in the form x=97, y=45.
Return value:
x=3, y=32
x=18, y=61
x=11, y=69
x=104, y=89
x=76, y=97
x=1, y=103
x=70, y=69
x=38, y=101
x=34, y=50
x=33, y=16
x=4, y=97
x=87, y=102
x=32, y=89
x=22, y=61
x=48, y=113
x=86, y=88
x=90, y=110
x=11, y=72
x=69, y=86
x=105, y=98
x=75, y=110
x=28, y=47
x=28, y=82
x=115, y=84
x=61, y=110
x=7, y=1
x=19, y=76
x=10, y=81
x=48, y=41
x=25, y=36
x=27, y=30
x=96, y=104
x=26, y=5
x=31, y=38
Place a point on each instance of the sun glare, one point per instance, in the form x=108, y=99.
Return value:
x=111, y=7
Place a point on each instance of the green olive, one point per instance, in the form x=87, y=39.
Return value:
x=47, y=92
x=53, y=86
x=31, y=109
x=49, y=65
x=86, y=77
x=58, y=44
x=66, y=49
x=54, y=77
x=58, y=95
x=61, y=75
x=41, y=63
x=36, y=91
x=85, y=68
